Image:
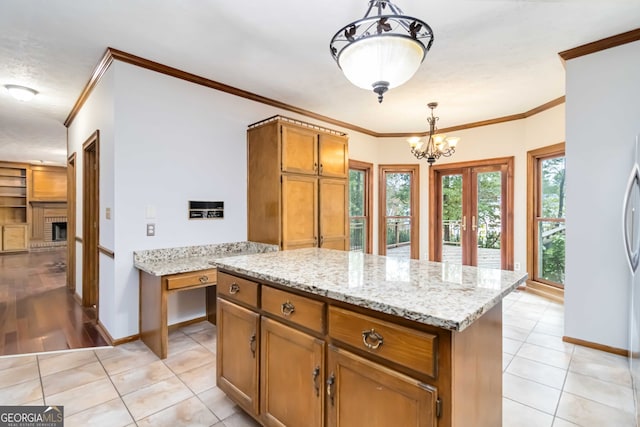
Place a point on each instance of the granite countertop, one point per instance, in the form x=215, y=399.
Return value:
x=160, y=262
x=445, y=295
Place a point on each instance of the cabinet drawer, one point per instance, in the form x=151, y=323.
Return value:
x=408, y=347
x=238, y=289
x=295, y=308
x=195, y=278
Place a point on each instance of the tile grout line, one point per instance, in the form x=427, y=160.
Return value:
x=115, y=388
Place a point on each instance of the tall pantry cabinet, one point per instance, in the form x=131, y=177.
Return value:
x=298, y=190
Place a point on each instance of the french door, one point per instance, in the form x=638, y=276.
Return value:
x=471, y=213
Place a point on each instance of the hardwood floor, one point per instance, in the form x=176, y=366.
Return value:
x=37, y=312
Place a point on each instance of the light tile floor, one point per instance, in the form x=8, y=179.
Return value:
x=546, y=383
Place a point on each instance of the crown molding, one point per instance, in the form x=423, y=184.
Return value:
x=112, y=54
x=598, y=45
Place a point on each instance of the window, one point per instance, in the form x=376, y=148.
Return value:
x=360, y=200
x=546, y=215
x=398, y=227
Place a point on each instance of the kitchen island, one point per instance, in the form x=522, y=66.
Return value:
x=317, y=337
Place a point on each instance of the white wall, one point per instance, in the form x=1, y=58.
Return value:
x=603, y=119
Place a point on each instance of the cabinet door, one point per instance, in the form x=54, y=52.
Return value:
x=363, y=393
x=333, y=156
x=299, y=150
x=14, y=237
x=291, y=385
x=238, y=354
x=299, y=212
x=334, y=225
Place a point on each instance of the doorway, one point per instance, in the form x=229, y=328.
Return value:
x=90, y=220
x=398, y=227
x=471, y=213
x=71, y=223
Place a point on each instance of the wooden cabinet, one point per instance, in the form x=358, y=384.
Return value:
x=297, y=185
x=291, y=376
x=13, y=207
x=364, y=393
x=14, y=237
x=299, y=383
x=238, y=354
x=48, y=183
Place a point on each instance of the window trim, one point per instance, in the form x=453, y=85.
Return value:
x=533, y=196
x=367, y=168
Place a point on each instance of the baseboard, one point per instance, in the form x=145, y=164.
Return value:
x=596, y=346
x=186, y=323
x=546, y=291
x=78, y=298
x=109, y=339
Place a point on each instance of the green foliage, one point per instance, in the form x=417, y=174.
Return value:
x=398, y=194
x=356, y=193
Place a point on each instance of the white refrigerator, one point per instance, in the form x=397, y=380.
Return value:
x=631, y=236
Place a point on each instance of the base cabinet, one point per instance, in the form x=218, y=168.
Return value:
x=364, y=393
x=290, y=359
x=15, y=237
x=291, y=377
x=238, y=354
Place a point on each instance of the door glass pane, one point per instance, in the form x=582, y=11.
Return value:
x=398, y=213
x=452, y=219
x=488, y=221
x=551, y=237
x=357, y=219
x=553, y=188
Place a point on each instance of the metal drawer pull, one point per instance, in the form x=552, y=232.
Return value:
x=234, y=289
x=316, y=373
x=371, y=339
x=287, y=308
x=330, y=381
x=252, y=345
x=204, y=279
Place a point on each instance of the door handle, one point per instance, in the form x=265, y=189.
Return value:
x=464, y=223
x=473, y=223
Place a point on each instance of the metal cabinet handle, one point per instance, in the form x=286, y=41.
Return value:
x=315, y=167
x=203, y=279
x=315, y=375
x=287, y=308
x=330, y=381
x=234, y=289
x=315, y=241
x=371, y=339
x=252, y=344
x=321, y=240
x=320, y=168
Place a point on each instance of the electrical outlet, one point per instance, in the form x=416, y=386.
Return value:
x=108, y=213
x=516, y=266
x=151, y=229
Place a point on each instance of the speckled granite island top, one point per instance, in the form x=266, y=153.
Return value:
x=448, y=296
x=161, y=262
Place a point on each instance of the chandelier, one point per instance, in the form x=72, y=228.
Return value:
x=382, y=50
x=436, y=145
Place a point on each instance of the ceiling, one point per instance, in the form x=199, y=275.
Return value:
x=490, y=58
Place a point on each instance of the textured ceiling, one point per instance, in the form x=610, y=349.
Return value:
x=490, y=58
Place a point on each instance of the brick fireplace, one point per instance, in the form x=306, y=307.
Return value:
x=48, y=224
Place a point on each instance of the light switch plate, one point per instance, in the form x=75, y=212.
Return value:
x=151, y=229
